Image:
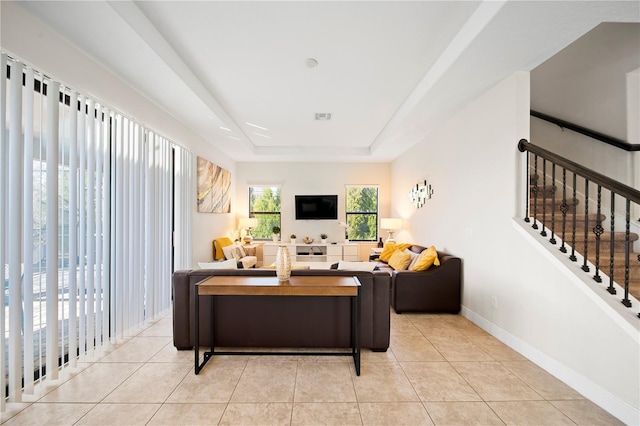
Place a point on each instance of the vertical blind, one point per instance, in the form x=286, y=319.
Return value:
x=87, y=197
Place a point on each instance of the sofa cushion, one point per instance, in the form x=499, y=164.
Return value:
x=225, y=264
x=399, y=260
x=356, y=266
x=414, y=258
x=426, y=259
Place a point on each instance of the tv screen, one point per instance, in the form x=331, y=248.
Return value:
x=316, y=207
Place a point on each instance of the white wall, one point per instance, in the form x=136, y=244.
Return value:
x=477, y=174
x=30, y=40
x=312, y=179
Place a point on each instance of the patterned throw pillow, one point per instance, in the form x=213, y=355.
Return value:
x=427, y=258
x=399, y=260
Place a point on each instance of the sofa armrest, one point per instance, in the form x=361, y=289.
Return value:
x=181, y=309
x=438, y=289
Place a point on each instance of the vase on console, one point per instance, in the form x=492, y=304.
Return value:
x=283, y=264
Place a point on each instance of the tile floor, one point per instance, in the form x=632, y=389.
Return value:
x=440, y=369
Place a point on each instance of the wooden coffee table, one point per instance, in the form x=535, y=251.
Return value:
x=312, y=286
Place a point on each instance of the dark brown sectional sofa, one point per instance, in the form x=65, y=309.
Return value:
x=438, y=289
x=281, y=321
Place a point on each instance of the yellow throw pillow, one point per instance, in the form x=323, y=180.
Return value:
x=427, y=258
x=218, y=244
x=399, y=260
x=389, y=248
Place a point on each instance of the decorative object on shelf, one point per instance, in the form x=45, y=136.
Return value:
x=347, y=228
x=247, y=223
x=420, y=193
x=276, y=233
x=283, y=264
x=323, y=238
x=380, y=243
x=293, y=238
x=214, y=188
x=391, y=225
x=307, y=240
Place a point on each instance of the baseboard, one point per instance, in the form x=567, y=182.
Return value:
x=612, y=404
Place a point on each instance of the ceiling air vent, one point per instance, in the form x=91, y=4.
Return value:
x=323, y=116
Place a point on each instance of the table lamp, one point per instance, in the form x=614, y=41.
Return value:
x=391, y=225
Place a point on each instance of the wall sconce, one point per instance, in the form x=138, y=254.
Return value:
x=391, y=225
x=420, y=193
x=247, y=223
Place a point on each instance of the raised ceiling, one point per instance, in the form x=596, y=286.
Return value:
x=237, y=73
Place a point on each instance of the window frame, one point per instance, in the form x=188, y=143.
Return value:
x=375, y=213
x=257, y=214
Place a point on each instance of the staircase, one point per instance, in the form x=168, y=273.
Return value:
x=548, y=211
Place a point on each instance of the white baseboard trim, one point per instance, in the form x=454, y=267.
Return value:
x=612, y=404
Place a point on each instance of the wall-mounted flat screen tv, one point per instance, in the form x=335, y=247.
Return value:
x=316, y=207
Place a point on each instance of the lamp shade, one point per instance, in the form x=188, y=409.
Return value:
x=248, y=222
x=390, y=223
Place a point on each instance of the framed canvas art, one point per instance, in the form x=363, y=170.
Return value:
x=214, y=188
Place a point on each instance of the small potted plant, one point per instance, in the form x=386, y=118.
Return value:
x=323, y=238
x=276, y=232
x=293, y=238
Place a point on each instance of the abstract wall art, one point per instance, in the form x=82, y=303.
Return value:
x=214, y=188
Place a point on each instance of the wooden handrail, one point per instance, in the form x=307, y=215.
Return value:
x=600, y=179
x=618, y=143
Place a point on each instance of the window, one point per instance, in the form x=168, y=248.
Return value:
x=264, y=205
x=362, y=213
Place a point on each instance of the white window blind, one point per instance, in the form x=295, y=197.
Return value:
x=86, y=228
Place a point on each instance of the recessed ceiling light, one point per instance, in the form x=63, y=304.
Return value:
x=260, y=134
x=323, y=116
x=257, y=127
x=225, y=128
x=311, y=62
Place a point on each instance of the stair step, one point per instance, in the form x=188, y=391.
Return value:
x=543, y=190
x=569, y=221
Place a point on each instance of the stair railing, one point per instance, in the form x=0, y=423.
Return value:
x=616, y=189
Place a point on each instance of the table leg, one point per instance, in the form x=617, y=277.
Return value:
x=197, y=330
x=355, y=331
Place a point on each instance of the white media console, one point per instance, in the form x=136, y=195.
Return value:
x=314, y=252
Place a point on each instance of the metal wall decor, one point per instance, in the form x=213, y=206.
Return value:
x=420, y=193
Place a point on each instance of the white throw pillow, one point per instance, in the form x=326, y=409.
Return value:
x=356, y=266
x=228, y=251
x=414, y=258
x=249, y=262
x=225, y=264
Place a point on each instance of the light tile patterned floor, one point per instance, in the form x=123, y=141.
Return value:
x=440, y=369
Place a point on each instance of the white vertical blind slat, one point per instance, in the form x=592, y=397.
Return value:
x=73, y=228
x=106, y=211
x=27, y=233
x=82, y=216
x=4, y=152
x=91, y=226
x=98, y=198
x=52, y=229
x=14, y=200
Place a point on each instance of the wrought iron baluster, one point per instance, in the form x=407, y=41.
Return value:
x=544, y=197
x=611, y=289
x=527, y=192
x=563, y=208
x=626, y=302
x=552, y=240
x=585, y=267
x=598, y=230
x=573, y=257
x=535, y=192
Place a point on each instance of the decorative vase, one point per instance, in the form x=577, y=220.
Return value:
x=275, y=238
x=323, y=241
x=283, y=264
